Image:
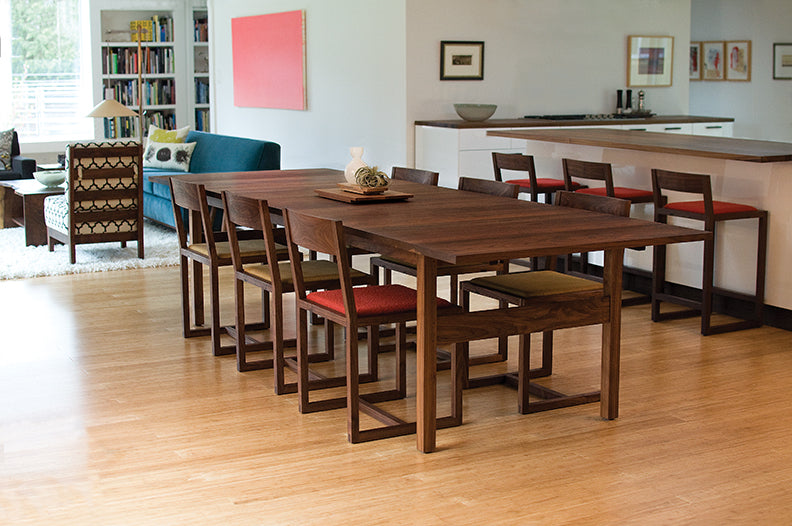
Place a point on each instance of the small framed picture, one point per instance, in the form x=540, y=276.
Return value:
x=650, y=61
x=695, y=61
x=782, y=61
x=461, y=60
x=712, y=67
x=738, y=60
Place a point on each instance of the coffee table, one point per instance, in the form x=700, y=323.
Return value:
x=24, y=206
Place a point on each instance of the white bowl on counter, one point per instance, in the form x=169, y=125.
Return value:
x=475, y=112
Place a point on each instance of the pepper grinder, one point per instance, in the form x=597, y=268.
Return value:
x=619, y=107
x=641, y=101
x=628, y=102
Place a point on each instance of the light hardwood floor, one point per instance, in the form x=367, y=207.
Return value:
x=108, y=416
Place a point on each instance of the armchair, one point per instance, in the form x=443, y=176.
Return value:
x=103, y=200
x=21, y=167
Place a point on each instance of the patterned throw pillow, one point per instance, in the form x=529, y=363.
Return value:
x=159, y=135
x=6, y=139
x=168, y=156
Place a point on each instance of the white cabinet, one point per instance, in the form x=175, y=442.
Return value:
x=684, y=127
x=714, y=129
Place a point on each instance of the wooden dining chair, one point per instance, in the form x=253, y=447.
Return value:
x=711, y=213
x=551, y=289
x=469, y=184
x=414, y=175
x=534, y=186
x=247, y=213
x=213, y=251
x=367, y=306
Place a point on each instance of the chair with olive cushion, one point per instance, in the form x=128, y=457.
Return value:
x=550, y=288
x=252, y=214
x=200, y=245
x=103, y=200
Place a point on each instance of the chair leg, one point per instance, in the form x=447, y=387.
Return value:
x=353, y=391
x=761, y=268
x=706, y=284
x=401, y=359
x=658, y=279
x=453, y=283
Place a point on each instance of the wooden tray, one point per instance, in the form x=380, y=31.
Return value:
x=338, y=194
x=365, y=190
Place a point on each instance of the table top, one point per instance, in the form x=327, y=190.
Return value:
x=696, y=145
x=445, y=224
x=32, y=187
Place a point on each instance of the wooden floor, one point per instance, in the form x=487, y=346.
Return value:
x=108, y=416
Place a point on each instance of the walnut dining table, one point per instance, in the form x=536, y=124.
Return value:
x=451, y=226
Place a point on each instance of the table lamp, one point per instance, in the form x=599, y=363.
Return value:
x=110, y=108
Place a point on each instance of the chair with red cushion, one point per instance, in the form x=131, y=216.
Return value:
x=533, y=185
x=589, y=170
x=367, y=306
x=710, y=212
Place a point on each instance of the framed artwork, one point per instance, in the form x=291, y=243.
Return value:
x=695, y=61
x=738, y=60
x=268, y=53
x=461, y=60
x=650, y=61
x=712, y=67
x=782, y=61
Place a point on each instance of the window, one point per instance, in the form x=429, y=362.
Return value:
x=48, y=58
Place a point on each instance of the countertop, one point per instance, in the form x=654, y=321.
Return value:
x=695, y=145
x=539, y=123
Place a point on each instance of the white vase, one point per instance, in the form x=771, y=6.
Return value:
x=354, y=165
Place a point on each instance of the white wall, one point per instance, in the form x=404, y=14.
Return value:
x=762, y=108
x=356, y=85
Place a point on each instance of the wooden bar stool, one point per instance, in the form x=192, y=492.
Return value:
x=532, y=185
x=710, y=212
x=603, y=172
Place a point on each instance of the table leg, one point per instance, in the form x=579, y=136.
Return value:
x=611, y=335
x=426, y=427
x=35, y=226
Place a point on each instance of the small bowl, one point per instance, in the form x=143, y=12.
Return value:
x=50, y=177
x=475, y=112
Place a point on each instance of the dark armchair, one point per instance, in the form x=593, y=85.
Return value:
x=21, y=167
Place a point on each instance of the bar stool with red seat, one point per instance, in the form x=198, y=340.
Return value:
x=710, y=212
x=533, y=185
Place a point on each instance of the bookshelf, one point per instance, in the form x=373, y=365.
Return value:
x=175, y=63
x=200, y=69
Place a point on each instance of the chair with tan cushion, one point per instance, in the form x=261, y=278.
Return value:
x=542, y=287
x=103, y=200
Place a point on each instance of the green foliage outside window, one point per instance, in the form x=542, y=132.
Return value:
x=45, y=36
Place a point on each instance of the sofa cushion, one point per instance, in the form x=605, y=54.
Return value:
x=6, y=140
x=168, y=155
x=159, y=135
x=223, y=153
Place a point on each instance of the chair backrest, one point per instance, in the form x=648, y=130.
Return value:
x=588, y=170
x=513, y=161
x=252, y=214
x=415, y=175
x=192, y=198
x=688, y=183
x=105, y=188
x=485, y=186
x=595, y=203
x=320, y=235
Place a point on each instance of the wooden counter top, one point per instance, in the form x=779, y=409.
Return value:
x=695, y=145
x=540, y=123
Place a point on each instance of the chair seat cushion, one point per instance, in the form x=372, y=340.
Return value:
x=537, y=283
x=720, y=207
x=542, y=183
x=313, y=272
x=247, y=247
x=619, y=191
x=56, y=213
x=373, y=300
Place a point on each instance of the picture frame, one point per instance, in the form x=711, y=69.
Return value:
x=695, y=61
x=712, y=60
x=461, y=60
x=737, y=60
x=782, y=61
x=650, y=61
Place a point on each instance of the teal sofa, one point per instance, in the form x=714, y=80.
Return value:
x=213, y=153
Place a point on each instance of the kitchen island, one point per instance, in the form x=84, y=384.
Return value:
x=756, y=173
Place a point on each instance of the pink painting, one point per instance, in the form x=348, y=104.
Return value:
x=269, y=60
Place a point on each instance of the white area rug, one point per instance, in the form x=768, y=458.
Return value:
x=161, y=248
